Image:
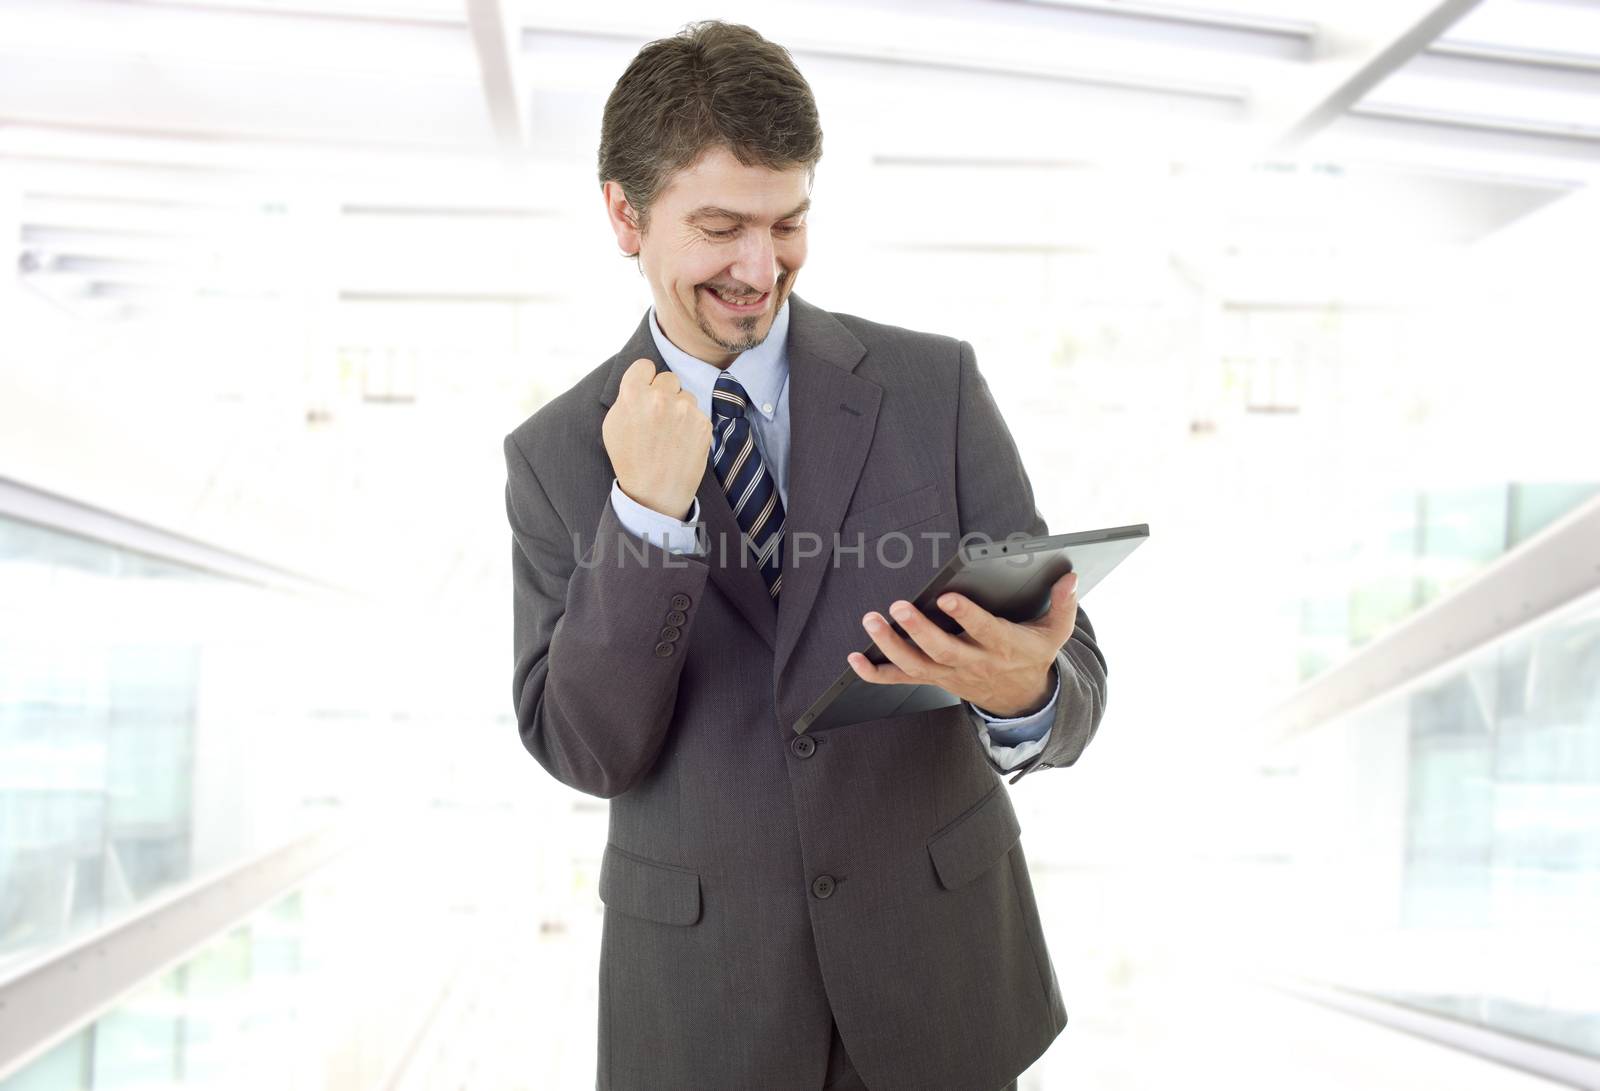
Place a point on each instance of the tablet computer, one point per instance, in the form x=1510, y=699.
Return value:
x=1010, y=578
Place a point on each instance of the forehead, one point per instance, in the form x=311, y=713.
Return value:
x=717, y=184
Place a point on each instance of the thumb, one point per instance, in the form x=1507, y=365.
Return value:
x=1063, y=607
x=640, y=373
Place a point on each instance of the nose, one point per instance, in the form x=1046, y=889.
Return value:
x=756, y=263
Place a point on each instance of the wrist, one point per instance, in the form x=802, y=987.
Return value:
x=1040, y=696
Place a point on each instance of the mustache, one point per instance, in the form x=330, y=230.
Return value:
x=745, y=292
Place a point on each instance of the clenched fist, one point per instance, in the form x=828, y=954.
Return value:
x=657, y=438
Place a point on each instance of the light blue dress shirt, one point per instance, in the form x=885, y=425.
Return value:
x=764, y=373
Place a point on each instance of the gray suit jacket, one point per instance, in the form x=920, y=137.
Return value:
x=755, y=882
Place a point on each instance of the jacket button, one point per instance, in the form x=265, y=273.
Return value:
x=680, y=601
x=677, y=617
x=663, y=650
x=822, y=886
x=804, y=746
x=671, y=633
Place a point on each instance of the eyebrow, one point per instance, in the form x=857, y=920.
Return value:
x=743, y=217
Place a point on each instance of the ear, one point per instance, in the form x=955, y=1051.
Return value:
x=624, y=220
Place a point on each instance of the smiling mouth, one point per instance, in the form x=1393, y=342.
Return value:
x=752, y=304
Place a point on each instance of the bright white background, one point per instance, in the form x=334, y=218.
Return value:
x=1273, y=277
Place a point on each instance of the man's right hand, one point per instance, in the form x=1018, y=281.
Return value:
x=657, y=439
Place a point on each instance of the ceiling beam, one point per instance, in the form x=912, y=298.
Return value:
x=1441, y=143
x=289, y=9
x=1484, y=58
x=1038, y=46
x=497, y=39
x=1586, y=136
x=1353, y=57
x=1233, y=31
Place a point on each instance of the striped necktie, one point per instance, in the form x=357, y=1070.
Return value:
x=752, y=493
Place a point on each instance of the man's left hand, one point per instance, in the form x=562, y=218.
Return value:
x=1001, y=666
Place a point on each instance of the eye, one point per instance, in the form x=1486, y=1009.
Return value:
x=789, y=229
x=726, y=233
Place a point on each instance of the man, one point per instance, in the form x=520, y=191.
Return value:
x=848, y=908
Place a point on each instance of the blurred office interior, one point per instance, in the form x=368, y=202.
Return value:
x=1307, y=285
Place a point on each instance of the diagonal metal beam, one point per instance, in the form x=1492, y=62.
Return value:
x=497, y=38
x=1352, y=58
x=71, y=986
x=1556, y=567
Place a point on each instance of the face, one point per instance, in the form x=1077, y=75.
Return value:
x=724, y=244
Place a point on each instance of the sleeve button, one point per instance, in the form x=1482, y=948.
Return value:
x=680, y=601
x=663, y=650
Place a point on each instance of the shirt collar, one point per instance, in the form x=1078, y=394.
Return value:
x=762, y=371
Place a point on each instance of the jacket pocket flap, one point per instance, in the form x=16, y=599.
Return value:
x=892, y=514
x=644, y=888
x=970, y=845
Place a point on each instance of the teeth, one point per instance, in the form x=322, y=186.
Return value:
x=735, y=300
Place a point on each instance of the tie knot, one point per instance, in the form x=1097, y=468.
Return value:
x=728, y=398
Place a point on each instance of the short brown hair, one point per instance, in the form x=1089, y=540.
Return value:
x=711, y=84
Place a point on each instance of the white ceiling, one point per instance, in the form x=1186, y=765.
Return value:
x=129, y=125
x=341, y=157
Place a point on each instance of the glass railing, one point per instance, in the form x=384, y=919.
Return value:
x=1443, y=844
x=1407, y=549
x=158, y=722
x=329, y=987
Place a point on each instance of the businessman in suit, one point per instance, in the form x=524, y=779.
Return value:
x=705, y=527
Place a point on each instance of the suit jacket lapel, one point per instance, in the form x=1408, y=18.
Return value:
x=832, y=415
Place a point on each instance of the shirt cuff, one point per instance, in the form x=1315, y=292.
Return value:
x=1008, y=758
x=673, y=535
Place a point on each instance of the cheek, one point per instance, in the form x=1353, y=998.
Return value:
x=697, y=271
x=792, y=253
